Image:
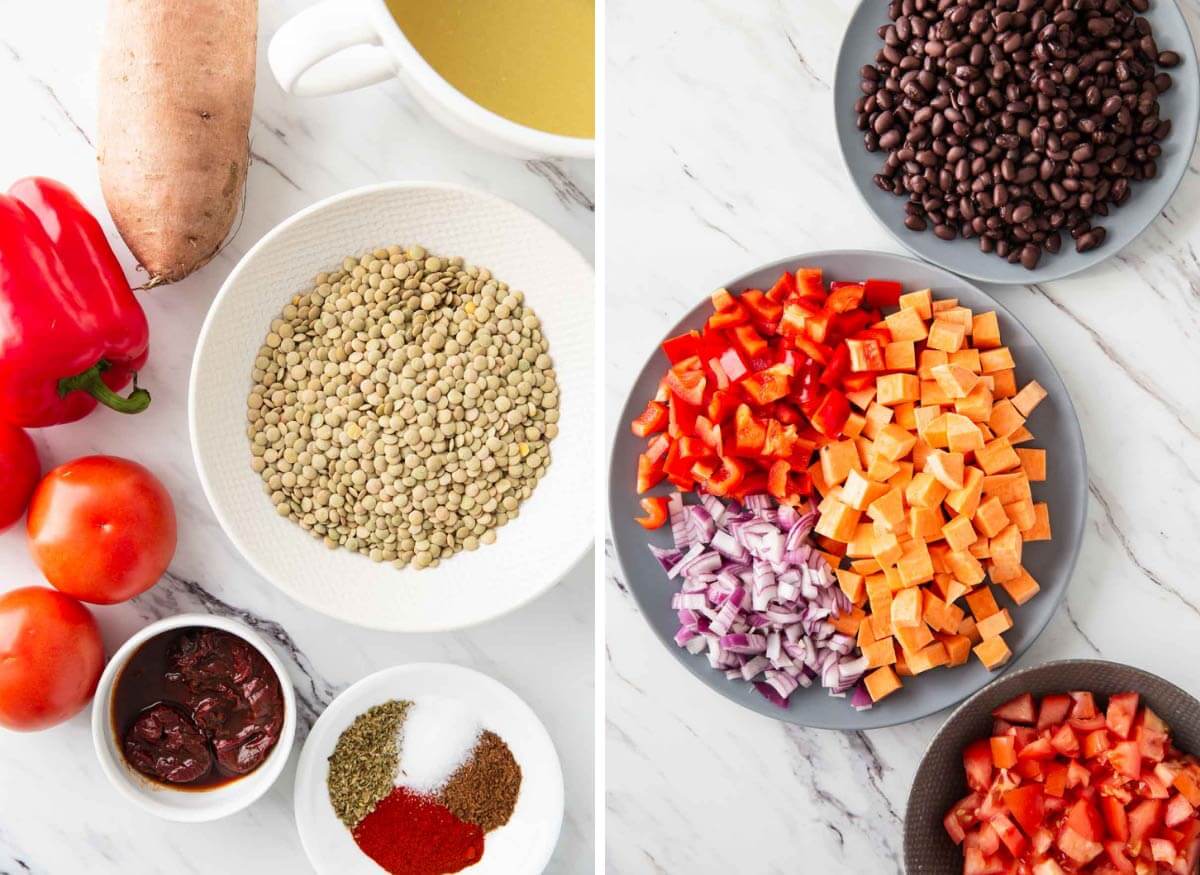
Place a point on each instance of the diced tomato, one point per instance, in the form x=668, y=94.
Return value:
x=1078, y=848
x=1085, y=820
x=682, y=347
x=1116, y=856
x=766, y=386
x=1144, y=819
x=1004, y=751
x=810, y=283
x=650, y=420
x=1018, y=710
x=1178, y=811
x=1151, y=742
x=649, y=474
x=1027, y=805
x=1077, y=775
x=1095, y=743
x=1126, y=759
x=844, y=297
x=749, y=341
x=882, y=293
x=831, y=414
x=1122, y=708
x=1064, y=741
x=656, y=512
x=1009, y=834
x=1056, y=780
x=1038, y=749
x=977, y=761
x=784, y=288
x=1053, y=709
x=1116, y=822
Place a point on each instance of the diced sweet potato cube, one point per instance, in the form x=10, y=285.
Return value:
x=985, y=330
x=930, y=656
x=980, y=549
x=999, y=359
x=1021, y=514
x=894, y=442
x=915, y=566
x=854, y=424
x=877, y=417
x=990, y=518
x=997, y=456
x=1005, y=418
x=1033, y=463
x=892, y=576
x=906, y=608
x=886, y=548
x=892, y=389
x=982, y=603
x=948, y=468
x=1008, y=487
x=977, y=406
x=925, y=491
x=881, y=469
x=1029, y=398
x=946, y=335
x=862, y=398
x=1020, y=436
x=940, y=304
x=925, y=523
x=935, y=432
x=902, y=477
x=906, y=324
x=967, y=628
x=962, y=435
x=902, y=665
x=866, y=632
x=865, y=566
x=816, y=476
x=880, y=653
x=832, y=497
x=933, y=610
x=934, y=395
x=847, y=623
x=1006, y=552
x=993, y=652
x=958, y=649
x=955, y=380
x=957, y=314
x=924, y=416
x=879, y=597
x=1041, y=527
x=954, y=614
x=967, y=358
x=995, y=625
x=905, y=415
x=858, y=491
x=965, y=501
x=882, y=682
x=1004, y=383
x=959, y=533
x=1021, y=588
x=928, y=359
x=862, y=545
x=837, y=460
x=913, y=638
x=965, y=567
x=865, y=451
x=888, y=508
x=921, y=301
x=852, y=585
x=900, y=355
x=839, y=523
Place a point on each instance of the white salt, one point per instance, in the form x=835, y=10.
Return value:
x=436, y=737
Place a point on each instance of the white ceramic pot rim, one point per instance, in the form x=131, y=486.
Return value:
x=465, y=109
x=242, y=792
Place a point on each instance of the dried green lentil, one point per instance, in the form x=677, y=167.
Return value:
x=365, y=761
x=403, y=407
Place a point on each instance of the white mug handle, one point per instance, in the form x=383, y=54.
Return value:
x=308, y=54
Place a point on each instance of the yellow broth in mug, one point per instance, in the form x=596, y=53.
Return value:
x=531, y=61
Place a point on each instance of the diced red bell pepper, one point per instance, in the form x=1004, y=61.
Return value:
x=749, y=341
x=786, y=413
x=882, y=293
x=852, y=382
x=844, y=297
x=817, y=326
x=709, y=433
x=650, y=473
x=727, y=478
x=786, y=484
x=795, y=316
x=682, y=417
x=687, y=385
x=656, y=512
x=850, y=324
x=831, y=415
x=763, y=311
x=838, y=367
x=768, y=385
x=723, y=299
x=810, y=283
x=749, y=434
x=682, y=347
x=678, y=467
x=703, y=469
x=816, y=351
x=781, y=440
x=657, y=449
x=807, y=391
x=865, y=354
x=754, y=483
x=784, y=288
x=733, y=364
x=730, y=317
x=650, y=420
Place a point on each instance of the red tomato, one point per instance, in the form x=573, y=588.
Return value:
x=1122, y=708
x=19, y=472
x=50, y=658
x=101, y=529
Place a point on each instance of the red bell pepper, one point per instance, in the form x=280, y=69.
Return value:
x=71, y=332
x=831, y=415
x=727, y=478
x=811, y=283
x=656, y=512
x=784, y=287
x=650, y=420
x=684, y=346
x=844, y=297
x=882, y=293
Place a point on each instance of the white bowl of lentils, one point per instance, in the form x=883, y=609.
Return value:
x=390, y=402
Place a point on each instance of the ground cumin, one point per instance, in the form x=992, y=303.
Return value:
x=484, y=790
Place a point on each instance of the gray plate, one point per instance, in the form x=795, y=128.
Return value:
x=1181, y=104
x=940, y=781
x=1054, y=424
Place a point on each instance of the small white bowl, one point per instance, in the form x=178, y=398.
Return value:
x=188, y=806
x=523, y=846
x=532, y=552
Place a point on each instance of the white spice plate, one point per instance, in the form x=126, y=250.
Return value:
x=523, y=846
x=532, y=552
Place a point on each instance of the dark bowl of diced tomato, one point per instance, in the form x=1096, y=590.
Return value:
x=1075, y=766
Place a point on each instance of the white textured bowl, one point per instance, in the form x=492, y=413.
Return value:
x=555, y=525
x=191, y=806
x=523, y=846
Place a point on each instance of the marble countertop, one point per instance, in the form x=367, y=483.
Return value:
x=57, y=812
x=722, y=156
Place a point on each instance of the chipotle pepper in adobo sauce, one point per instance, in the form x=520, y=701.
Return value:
x=197, y=707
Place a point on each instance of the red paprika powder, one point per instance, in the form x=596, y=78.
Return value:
x=411, y=834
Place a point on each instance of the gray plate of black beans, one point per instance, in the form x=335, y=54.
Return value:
x=1017, y=141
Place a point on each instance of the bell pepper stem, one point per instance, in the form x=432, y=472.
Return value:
x=90, y=381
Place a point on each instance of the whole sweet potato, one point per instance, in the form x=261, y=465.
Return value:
x=176, y=95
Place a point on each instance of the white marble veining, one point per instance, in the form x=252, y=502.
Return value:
x=722, y=156
x=57, y=812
